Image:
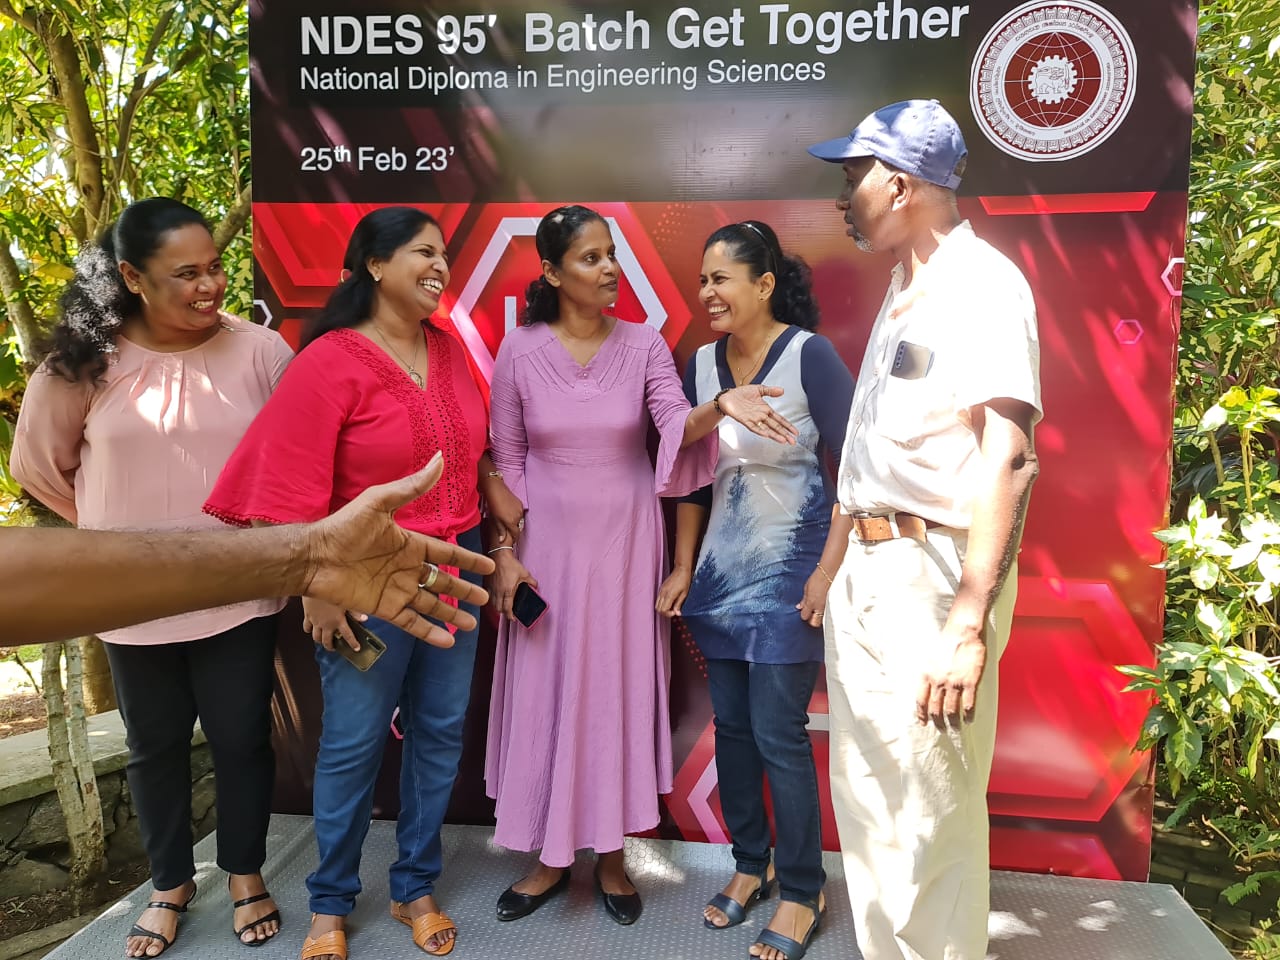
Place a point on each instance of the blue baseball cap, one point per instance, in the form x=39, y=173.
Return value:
x=918, y=137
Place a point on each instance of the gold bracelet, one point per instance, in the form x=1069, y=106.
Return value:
x=830, y=582
x=496, y=549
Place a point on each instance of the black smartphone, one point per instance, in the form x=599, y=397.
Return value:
x=371, y=648
x=527, y=606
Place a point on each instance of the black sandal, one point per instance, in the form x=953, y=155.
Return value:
x=140, y=931
x=256, y=898
x=734, y=911
x=791, y=949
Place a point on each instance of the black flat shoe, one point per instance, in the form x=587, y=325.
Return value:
x=513, y=905
x=624, y=908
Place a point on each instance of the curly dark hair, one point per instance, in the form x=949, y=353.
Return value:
x=754, y=243
x=96, y=303
x=556, y=233
x=377, y=236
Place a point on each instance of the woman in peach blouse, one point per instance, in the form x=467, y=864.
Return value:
x=126, y=426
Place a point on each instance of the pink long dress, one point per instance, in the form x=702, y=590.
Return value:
x=579, y=742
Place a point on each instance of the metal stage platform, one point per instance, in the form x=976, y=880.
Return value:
x=1034, y=917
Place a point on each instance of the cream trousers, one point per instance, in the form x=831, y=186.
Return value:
x=910, y=800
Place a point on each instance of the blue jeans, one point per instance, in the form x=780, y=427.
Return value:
x=761, y=712
x=431, y=686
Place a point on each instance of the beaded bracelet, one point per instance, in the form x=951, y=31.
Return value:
x=715, y=401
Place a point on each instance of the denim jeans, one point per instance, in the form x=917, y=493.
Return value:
x=761, y=713
x=431, y=685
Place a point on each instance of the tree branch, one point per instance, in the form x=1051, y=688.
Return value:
x=235, y=220
x=20, y=313
x=140, y=90
x=23, y=19
x=69, y=74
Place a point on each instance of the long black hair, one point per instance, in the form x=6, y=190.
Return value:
x=753, y=242
x=556, y=233
x=96, y=303
x=377, y=236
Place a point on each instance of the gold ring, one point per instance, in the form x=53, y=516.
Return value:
x=430, y=582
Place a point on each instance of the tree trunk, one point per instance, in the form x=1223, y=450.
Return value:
x=21, y=316
x=69, y=75
x=99, y=691
x=73, y=775
x=234, y=221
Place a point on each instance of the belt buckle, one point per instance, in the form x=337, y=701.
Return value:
x=891, y=519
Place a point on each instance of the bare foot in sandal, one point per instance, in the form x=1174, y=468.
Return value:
x=157, y=928
x=744, y=890
x=323, y=924
x=255, y=918
x=796, y=922
x=433, y=930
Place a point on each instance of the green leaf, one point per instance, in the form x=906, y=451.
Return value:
x=55, y=271
x=1269, y=566
x=1184, y=748
x=1213, y=418
x=1261, y=529
x=1204, y=573
x=1213, y=618
x=1244, y=555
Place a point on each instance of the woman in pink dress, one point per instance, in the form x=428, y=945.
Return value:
x=125, y=426
x=579, y=743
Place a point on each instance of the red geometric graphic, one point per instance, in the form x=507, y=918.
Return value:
x=1068, y=793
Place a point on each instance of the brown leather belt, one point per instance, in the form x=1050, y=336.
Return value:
x=874, y=529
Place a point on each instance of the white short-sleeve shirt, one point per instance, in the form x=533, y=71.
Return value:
x=963, y=334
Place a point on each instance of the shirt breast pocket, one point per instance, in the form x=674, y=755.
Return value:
x=910, y=410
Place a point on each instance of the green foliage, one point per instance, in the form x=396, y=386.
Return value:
x=165, y=90
x=1266, y=945
x=1215, y=715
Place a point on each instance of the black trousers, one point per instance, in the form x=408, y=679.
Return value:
x=226, y=680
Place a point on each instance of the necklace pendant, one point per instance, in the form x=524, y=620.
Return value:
x=416, y=377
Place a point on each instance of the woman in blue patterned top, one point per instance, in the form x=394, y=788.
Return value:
x=754, y=601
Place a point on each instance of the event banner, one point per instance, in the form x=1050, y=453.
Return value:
x=675, y=120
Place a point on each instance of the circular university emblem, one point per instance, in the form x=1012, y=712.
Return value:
x=1053, y=80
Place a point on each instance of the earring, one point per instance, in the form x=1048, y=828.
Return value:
x=377, y=278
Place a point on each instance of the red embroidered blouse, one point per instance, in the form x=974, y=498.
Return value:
x=345, y=416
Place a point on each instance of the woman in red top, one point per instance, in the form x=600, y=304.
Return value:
x=374, y=392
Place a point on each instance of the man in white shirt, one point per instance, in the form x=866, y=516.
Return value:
x=935, y=476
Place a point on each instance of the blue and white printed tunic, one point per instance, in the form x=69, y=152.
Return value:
x=770, y=504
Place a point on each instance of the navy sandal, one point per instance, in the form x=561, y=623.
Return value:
x=256, y=898
x=734, y=911
x=791, y=949
x=140, y=931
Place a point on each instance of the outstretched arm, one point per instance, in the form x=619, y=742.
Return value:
x=65, y=583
